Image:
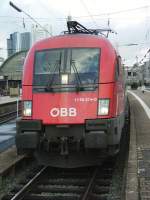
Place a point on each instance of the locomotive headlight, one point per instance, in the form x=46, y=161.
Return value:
x=103, y=106
x=27, y=108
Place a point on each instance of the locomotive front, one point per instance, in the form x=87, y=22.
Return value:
x=69, y=105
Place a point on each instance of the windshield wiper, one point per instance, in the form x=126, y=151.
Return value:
x=79, y=86
x=56, y=66
x=50, y=82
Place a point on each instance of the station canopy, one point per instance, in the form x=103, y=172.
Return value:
x=13, y=66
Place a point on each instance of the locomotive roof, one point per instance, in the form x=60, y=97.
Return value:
x=75, y=40
x=79, y=35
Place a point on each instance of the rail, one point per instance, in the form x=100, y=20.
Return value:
x=64, y=184
x=89, y=186
x=21, y=194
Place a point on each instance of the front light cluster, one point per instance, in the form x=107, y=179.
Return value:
x=27, y=108
x=103, y=106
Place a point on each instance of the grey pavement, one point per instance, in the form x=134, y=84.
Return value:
x=139, y=154
x=7, y=133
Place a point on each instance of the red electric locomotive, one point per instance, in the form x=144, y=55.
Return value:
x=73, y=99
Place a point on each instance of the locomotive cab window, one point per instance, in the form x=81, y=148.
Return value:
x=67, y=68
x=129, y=73
x=134, y=74
x=117, y=69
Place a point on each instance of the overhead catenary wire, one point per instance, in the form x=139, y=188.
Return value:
x=20, y=10
x=108, y=14
x=89, y=14
x=147, y=52
x=117, y=12
x=86, y=8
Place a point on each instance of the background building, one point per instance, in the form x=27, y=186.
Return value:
x=25, y=41
x=13, y=43
x=9, y=47
x=11, y=72
x=145, y=71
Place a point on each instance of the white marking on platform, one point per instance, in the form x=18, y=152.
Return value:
x=143, y=104
x=147, y=90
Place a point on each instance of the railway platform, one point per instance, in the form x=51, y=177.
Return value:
x=7, y=130
x=138, y=171
x=7, y=133
x=7, y=99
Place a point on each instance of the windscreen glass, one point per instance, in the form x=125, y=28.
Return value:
x=77, y=66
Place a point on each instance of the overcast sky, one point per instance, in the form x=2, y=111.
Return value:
x=129, y=18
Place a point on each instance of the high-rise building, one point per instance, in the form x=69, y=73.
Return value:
x=9, y=47
x=13, y=43
x=25, y=41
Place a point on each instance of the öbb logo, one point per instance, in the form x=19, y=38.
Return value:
x=63, y=112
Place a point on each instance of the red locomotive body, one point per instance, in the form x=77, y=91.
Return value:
x=73, y=100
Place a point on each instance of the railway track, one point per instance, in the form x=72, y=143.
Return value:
x=8, y=111
x=8, y=116
x=105, y=182
x=63, y=184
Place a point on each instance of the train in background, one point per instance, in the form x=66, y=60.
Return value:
x=132, y=77
x=138, y=75
x=73, y=99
